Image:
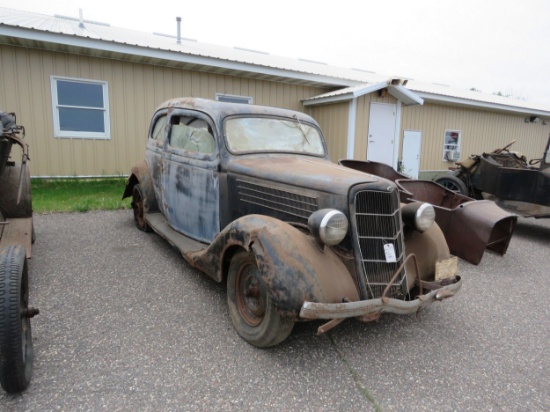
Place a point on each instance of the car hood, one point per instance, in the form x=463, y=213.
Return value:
x=300, y=171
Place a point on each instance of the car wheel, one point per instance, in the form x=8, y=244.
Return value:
x=453, y=183
x=16, y=353
x=253, y=314
x=137, y=206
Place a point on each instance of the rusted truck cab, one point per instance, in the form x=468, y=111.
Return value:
x=249, y=195
x=507, y=178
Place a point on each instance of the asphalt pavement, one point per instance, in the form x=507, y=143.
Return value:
x=126, y=324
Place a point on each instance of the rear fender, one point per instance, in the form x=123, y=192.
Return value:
x=12, y=177
x=141, y=174
x=292, y=264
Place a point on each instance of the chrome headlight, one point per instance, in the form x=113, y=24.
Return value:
x=328, y=225
x=419, y=216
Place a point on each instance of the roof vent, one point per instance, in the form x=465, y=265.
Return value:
x=80, y=18
x=178, y=20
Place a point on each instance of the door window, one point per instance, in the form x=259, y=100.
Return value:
x=192, y=135
x=158, y=130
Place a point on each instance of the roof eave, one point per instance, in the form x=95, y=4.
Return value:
x=35, y=38
x=431, y=97
x=401, y=93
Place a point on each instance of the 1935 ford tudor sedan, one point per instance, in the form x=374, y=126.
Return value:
x=249, y=196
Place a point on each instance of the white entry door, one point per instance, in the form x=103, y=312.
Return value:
x=412, y=144
x=381, y=140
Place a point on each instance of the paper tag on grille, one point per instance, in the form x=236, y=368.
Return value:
x=389, y=251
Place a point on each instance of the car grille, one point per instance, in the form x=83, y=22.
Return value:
x=289, y=203
x=378, y=223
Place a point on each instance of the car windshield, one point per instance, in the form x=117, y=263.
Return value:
x=268, y=134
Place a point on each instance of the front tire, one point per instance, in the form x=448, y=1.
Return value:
x=253, y=314
x=139, y=211
x=16, y=352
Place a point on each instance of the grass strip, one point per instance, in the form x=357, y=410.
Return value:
x=78, y=195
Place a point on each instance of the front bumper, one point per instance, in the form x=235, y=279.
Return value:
x=372, y=308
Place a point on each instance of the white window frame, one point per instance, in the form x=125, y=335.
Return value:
x=451, y=147
x=242, y=99
x=58, y=133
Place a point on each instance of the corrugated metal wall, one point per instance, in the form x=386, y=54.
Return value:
x=482, y=131
x=135, y=91
x=333, y=119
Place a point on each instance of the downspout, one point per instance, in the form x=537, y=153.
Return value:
x=397, y=136
x=352, y=123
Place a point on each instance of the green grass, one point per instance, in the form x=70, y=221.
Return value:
x=78, y=195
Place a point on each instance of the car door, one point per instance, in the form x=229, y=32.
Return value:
x=190, y=178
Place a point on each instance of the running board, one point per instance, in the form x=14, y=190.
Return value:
x=184, y=244
x=17, y=231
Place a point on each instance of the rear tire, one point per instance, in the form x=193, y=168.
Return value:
x=253, y=314
x=16, y=352
x=139, y=211
x=453, y=183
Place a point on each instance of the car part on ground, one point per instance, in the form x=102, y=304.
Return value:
x=249, y=196
x=470, y=226
x=16, y=239
x=508, y=179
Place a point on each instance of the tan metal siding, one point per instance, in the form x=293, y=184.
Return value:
x=135, y=91
x=482, y=131
x=333, y=119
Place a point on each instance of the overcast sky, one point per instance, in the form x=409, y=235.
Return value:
x=491, y=45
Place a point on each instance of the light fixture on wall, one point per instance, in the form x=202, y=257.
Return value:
x=383, y=92
x=532, y=119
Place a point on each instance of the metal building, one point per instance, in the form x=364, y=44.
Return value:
x=85, y=92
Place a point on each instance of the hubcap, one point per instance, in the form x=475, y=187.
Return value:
x=250, y=295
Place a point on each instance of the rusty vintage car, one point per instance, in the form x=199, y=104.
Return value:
x=507, y=178
x=16, y=238
x=470, y=226
x=249, y=196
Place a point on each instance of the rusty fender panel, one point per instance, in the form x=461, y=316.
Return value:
x=291, y=264
x=479, y=225
x=429, y=247
x=141, y=174
x=9, y=191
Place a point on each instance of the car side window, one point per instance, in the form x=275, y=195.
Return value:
x=157, y=133
x=191, y=135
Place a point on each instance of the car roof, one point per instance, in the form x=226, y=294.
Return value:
x=219, y=110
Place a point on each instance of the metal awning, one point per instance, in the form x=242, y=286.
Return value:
x=395, y=87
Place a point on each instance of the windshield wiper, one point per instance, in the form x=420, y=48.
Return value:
x=302, y=129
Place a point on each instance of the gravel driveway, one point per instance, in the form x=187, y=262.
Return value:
x=126, y=324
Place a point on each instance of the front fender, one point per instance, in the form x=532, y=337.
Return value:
x=292, y=264
x=429, y=247
x=140, y=173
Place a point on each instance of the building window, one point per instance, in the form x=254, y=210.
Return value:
x=80, y=108
x=451, y=145
x=230, y=98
